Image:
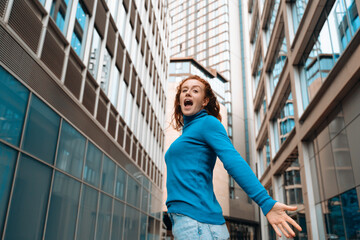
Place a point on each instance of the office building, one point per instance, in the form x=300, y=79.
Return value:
x=82, y=109
x=303, y=68
x=209, y=31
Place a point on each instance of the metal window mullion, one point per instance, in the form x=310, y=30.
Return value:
x=11, y=194
x=52, y=178
x=16, y=165
x=125, y=205
x=48, y=203
x=78, y=212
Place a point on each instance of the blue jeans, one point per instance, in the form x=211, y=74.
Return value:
x=186, y=228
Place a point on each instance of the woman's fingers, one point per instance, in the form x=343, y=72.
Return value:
x=295, y=224
x=283, y=230
x=288, y=229
x=276, y=229
x=290, y=208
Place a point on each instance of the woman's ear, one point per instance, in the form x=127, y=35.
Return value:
x=205, y=102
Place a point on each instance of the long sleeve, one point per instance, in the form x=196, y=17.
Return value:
x=236, y=166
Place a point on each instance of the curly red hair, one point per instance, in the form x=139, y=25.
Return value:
x=212, y=108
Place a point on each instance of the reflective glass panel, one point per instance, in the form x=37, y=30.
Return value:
x=42, y=129
x=351, y=213
x=120, y=183
x=108, y=175
x=29, y=200
x=117, y=221
x=145, y=200
x=342, y=162
x=71, y=151
x=133, y=192
x=94, y=54
x=13, y=100
x=80, y=28
x=60, y=11
x=114, y=90
x=334, y=219
x=143, y=227
x=278, y=66
x=105, y=74
x=104, y=217
x=63, y=208
x=132, y=221
x=87, y=214
x=298, y=9
x=92, y=165
x=7, y=165
x=330, y=42
x=151, y=228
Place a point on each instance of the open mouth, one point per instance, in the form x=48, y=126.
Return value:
x=188, y=102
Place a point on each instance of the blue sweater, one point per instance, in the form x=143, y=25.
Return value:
x=190, y=161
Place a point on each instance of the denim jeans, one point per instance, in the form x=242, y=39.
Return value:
x=186, y=228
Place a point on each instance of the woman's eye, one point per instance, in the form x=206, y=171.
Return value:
x=184, y=90
x=196, y=91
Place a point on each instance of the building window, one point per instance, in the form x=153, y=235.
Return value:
x=13, y=102
x=283, y=123
x=60, y=12
x=292, y=184
x=42, y=128
x=298, y=8
x=121, y=23
x=278, y=65
x=286, y=119
x=105, y=73
x=258, y=72
x=71, y=150
x=342, y=216
x=81, y=22
x=340, y=26
x=113, y=6
x=124, y=90
x=114, y=90
x=64, y=199
x=94, y=54
x=271, y=20
x=264, y=157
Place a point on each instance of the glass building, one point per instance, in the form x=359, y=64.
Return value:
x=82, y=108
x=304, y=78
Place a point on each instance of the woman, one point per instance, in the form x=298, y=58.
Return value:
x=192, y=206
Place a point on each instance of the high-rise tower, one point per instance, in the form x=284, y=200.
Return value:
x=82, y=107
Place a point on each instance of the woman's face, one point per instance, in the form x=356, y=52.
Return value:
x=192, y=97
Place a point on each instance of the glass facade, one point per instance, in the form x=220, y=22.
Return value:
x=201, y=30
x=258, y=71
x=336, y=189
x=68, y=188
x=310, y=53
x=342, y=21
x=286, y=120
x=271, y=20
x=80, y=29
x=278, y=65
x=298, y=8
x=60, y=13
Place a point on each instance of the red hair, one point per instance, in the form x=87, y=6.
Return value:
x=212, y=108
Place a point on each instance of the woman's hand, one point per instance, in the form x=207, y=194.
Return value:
x=278, y=219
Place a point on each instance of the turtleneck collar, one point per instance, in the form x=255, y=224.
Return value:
x=189, y=119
